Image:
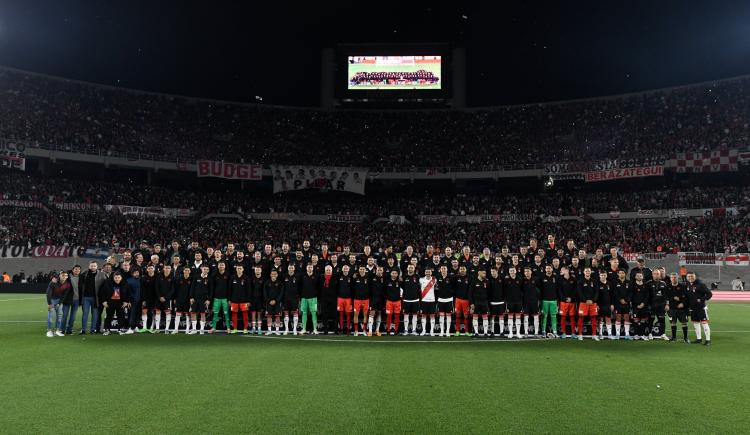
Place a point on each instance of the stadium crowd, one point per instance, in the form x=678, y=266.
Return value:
x=45, y=111
x=274, y=287
x=51, y=190
x=110, y=230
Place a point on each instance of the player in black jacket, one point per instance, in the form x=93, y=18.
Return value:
x=605, y=305
x=641, y=300
x=273, y=295
x=658, y=291
x=512, y=287
x=412, y=295
x=531, y=293
x=621, y=296
x=291, y=298
x=182, y=299
x=199, y=301
x=164, y=292
x=148, y=302
x=256, y=303
x=568, y=293
x=479, y=299
x=377, y=301
x=698, y=294
x=361, y=292
x=240, y=291
x=588, y=294
x=497, y=301
x=392, y=302
x=677, y=298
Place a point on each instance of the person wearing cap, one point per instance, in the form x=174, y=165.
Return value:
x=641, y=267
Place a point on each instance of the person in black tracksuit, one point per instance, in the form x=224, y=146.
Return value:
x=240, y=294
x=641, y=309
x=479, y=300
x=658, y=291
x=273, y=295
x=256, y=305
x=181, y=297
x=115, y=297
x=327, y=299
x=497, y=300
x=531, y=294
x=199, y=298
x=164, y=294
x=513, y=289
x=698, y=295
x=677, y=300
x=377, y=302
x=292, y=282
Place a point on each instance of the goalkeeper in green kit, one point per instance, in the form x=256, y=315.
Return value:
x=218, y=287
x=550, y=291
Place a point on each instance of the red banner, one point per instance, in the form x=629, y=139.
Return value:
x=620, y=173
x=232, y=171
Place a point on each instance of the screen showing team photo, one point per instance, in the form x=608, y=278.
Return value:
x=394, y=72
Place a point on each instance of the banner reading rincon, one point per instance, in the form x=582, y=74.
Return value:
x=288, y=178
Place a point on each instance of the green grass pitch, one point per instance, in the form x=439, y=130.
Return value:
x=357, y=67
x=233, y=384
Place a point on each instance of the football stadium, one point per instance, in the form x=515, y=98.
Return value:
x=432, y=219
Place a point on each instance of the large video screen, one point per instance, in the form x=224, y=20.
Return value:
x=394, y=72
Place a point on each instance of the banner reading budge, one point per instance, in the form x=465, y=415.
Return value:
x=231, y=171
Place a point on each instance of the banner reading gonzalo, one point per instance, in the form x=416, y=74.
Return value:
x=288, y=178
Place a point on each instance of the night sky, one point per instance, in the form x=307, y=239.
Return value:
x=521, y=52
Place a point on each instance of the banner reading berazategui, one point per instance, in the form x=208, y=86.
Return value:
x=625, y=168
x=287, y=178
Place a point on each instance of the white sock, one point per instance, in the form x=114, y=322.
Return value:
x=627, y=329
x=203, y=325
x=517, y=322
x=501, y=323
x=424, y=324
x=286, y=323
x=414, y=322
x=144, y=319
x=448, y=321
x=295, y=321
x=475, y=323
x=370, y=321
x=195, y=324
x=157, y=321
x=707, y=331
x=617, y=328
x=433, y=324
x=697, y=327
x=525, y=324
x=536, y=324
x=609, y=328
x=177, y=322
x=378, y=321
x=601, y=323
x=169, y=319
x=485, y=325
x=406, y=323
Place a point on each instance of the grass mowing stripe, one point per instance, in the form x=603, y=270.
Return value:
x=133, y=384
